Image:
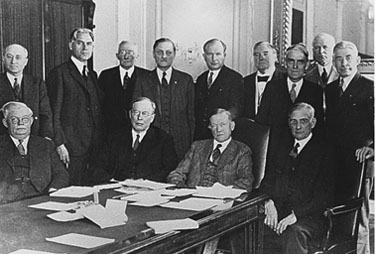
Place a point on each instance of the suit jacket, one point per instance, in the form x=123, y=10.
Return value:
x=154, y=158
x=46, y=169
x=181, y=121
x=234, y=166
x=117, y=100
x=312, y=74
x=34, y=96
x=250, y=92
x=305, y=184
x=350, y=117
x=77, y=115
x=225, y=92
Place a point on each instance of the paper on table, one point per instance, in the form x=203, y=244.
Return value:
x=151, y=202
x=194, y=204
x=73, y=192
x=79, y=240
x=64, y=216
x=146, y=184
x=218, y=191
x=107, y=186
x=55, y=206
x=163, y=226
x=26, y=251
x=148, y=199
x=179, y=192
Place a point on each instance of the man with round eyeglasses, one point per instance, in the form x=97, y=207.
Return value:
x=29, y=165
x=139, y=151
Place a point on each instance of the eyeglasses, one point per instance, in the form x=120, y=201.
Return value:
x=303, y=122
x=136, y=113
x=16, y=120
x=214, y=126
x=127, y=52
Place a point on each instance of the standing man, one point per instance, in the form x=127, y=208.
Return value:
x=350, y=126
x=75, y=102
x=265, y=58
x=118, y=85
x=218, y=87
x=173, y=92
x=18, y=86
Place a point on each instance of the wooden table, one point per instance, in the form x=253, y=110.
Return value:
x=24, y=227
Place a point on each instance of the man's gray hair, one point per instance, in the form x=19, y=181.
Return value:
x=17, y=45
x=153, y=104
x=303, y=105
x=212, y=41
x=218, y=111
x=344, y=45
x=80, y=30
x=6, y=107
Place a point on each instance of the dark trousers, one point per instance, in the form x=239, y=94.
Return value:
x=78, y=170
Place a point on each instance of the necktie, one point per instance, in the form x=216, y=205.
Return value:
x=136, y=143
x=341, y=83
x=294, y=152
x=263, y=78
x=216, y=154
x=16, y=87
x=164, y=81
x=126, y=80
x=20, y=147
x=84, y=72
x=293, y=93
x=210, y=79
x=324, y=76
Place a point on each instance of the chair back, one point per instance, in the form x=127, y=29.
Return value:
x=256, y=136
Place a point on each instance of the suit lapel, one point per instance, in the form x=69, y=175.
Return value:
x=351, y=88
x=74, y=72
x=8, y=149
x=28, y=89
x=207, y=150
x=148, y=142
x=227, y=156
x=6, y=90
x=155, y=88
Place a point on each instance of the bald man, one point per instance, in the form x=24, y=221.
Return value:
x=15, y=85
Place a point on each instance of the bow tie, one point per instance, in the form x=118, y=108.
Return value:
x=263, y=78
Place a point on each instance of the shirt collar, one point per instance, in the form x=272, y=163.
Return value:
x=269, y=72
x=11, y=78
x=160, y=74
x=223, y=144
x=327, y=67
x=347, y=81
x=302, y=143
x=123, y=72
x=215, y=73
x=141, y=135
x=298, y=85
x=24, y=143
x=78, y=64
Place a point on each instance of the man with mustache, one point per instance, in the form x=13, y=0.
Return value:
x=139, y=151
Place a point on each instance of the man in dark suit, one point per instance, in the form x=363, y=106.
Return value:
x=350, y=126
x=281, y=94
x=75, y=101
x=173, y=92
x=265, y=58
x=118, y=84
x=300, y=187
x=220, y=159
x=18, y=86
x=29, y=165
x=218, y=87
x=140, y=151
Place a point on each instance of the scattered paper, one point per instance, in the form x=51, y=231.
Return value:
x=131, y=190
x=74, y=192
x=146, y=184
x=148, y=199
x=55, y=206
x=163, y=226
x=179, y=192
x=107, y=186
x=26, y=251
x=79, y=240
x=218, y=191
x=194, y=204
x=64, y=216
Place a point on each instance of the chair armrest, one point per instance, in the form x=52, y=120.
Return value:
x=348, y=207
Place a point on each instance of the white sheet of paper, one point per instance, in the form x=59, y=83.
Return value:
x=146, y=184
x=163, y=226
x=144, y=196
x=107, y=186
x=117, y=208
x=218, y=191
x=151, y=202
x=54, y=206
x=194, y=204
x=73, y=192
x=64, y=216
x=79, y=240
x=179, y=192
x=26, y=251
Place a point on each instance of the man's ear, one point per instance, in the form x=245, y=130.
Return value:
x=152, y=119
x=5, y=123
x=313, y=122
x=232, y=125
x=70, y=45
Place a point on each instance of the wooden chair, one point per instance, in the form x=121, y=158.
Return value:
x=256, y=136
x=343, y=222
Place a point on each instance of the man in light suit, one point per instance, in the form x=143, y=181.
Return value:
x=139, y=151
x=15, y=85
x=76, y=105
x=218, y=87
x=265, y=58
x=173, y=92
x=281, y=94
x=118, y=84
x=350, y=126
x=300, y=187
x=29, y=165
x=220, y=159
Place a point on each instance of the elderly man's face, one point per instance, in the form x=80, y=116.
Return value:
x=214, y=55
x=323, y=50
x=221, y=127
x=142, y=115
x=296, y=63
x=264, y=57
x=301, y=123
x=18, y=122
x=164, y=55
x=346, y=61
x=127, y=54
x=15, y=60
x=82, y=47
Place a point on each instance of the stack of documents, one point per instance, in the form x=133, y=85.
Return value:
x=163, y=226
x=219, y=191
x=79, y=240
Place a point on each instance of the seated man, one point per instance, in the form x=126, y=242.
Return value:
x=300, y=187
x=221, y=159
x=137, y=151
x=29, y=165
